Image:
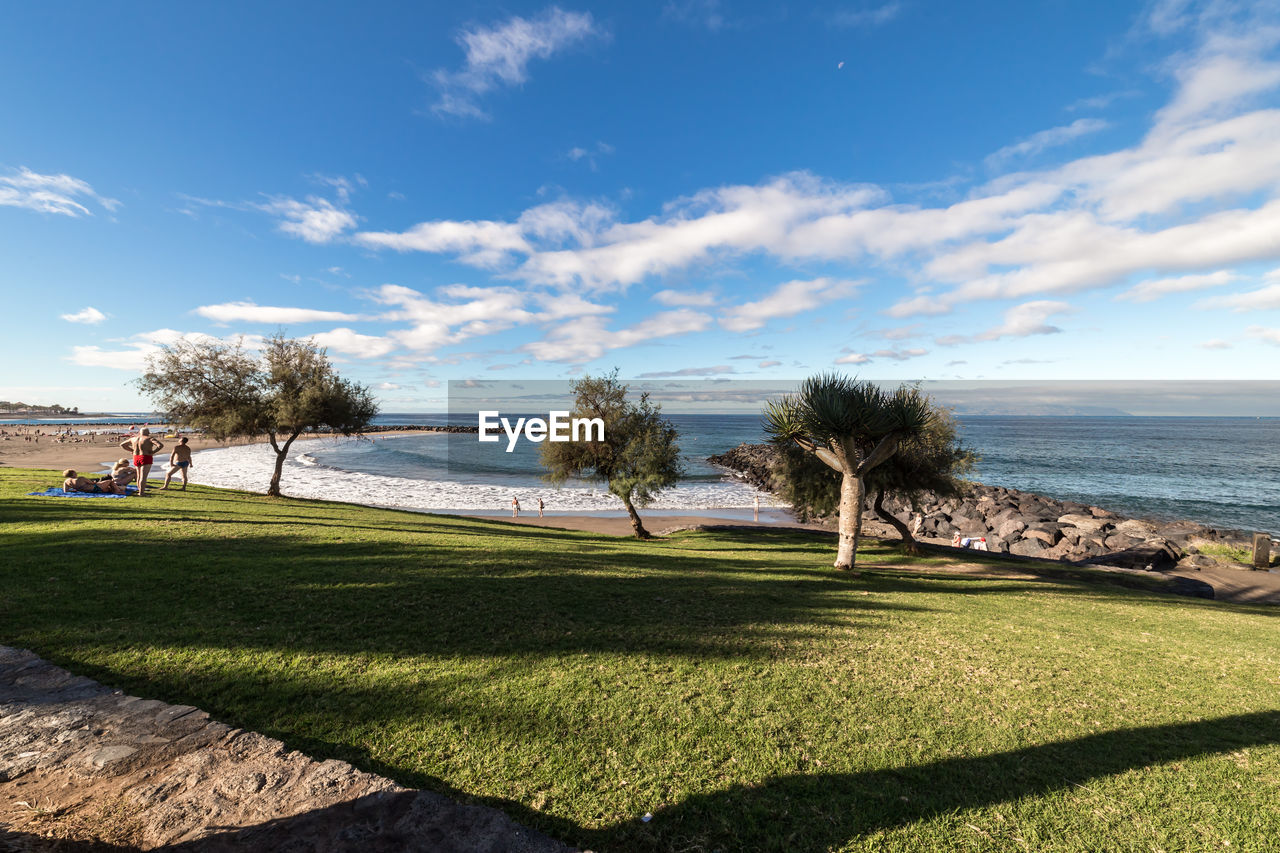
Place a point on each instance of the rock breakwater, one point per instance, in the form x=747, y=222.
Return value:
x=1026, y=524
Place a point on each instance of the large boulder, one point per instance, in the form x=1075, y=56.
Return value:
x=1085, y=523
x=1011, y=529
x=1181, y=532
x=1197, y=562
x=1156, y=555
x=1136, y=528
x=1048, y=534
x=1027, y=548
x=967, y=525
x=1121, y=542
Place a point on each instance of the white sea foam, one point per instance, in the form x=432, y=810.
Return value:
x=248, y=468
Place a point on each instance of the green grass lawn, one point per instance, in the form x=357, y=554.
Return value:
x=730, y=684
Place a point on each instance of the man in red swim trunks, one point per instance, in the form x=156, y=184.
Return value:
x=144, y=448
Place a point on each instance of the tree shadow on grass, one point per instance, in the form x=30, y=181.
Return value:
x=824, y=811
x=436, y=599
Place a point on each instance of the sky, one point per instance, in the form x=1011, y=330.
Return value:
x=902, y=190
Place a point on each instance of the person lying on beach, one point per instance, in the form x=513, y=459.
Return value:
x=144, y=449
x=179, y=460
x=72, y=482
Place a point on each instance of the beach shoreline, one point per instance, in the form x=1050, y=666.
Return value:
x=88, y=454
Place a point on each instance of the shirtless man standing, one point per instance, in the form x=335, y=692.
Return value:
x=144, y=448
x=179, y=460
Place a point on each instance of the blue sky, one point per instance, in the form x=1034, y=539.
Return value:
x=904, y=190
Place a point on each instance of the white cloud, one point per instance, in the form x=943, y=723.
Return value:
x=1215, y=344
x=248, y=312
x=1271, y=336
x=1264, y=299
x=872, y=16
x=890, y=354
x=1020, y=321
x=787, y=300
x=316, y=220
x=900, y=354
x=588, y=339
x=61, y=194
x=482, y=244
x=140, y=347
x=89, y=316
x=705, y=13
x=1101, y=102
x=460, y=312
x=590, y=155
x=687, y=298
x=1045, y=139
x=499, y=56
x=718, y=370
x=1027, y=319
x=349, y=342
x=764, y=364
x=1149, y=291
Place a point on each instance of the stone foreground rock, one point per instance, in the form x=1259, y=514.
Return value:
x=74, y=751
x=1026, y=524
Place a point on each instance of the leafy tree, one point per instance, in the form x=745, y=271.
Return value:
x=288, y=389
x=851, y=427
x=637, y=458
x=933, y=461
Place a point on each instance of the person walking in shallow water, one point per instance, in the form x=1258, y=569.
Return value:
x=179, y=460
x=515, y=507
x=541, y=507
x=144, y=448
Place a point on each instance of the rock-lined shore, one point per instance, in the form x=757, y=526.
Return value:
x=1029, y=525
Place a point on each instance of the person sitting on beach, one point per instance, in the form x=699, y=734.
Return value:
x=72, y=482
x=122, y=473
x=179, y=460
x=144, y=448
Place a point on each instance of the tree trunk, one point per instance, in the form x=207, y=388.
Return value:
x=908, y=541
x=282, y=453
x=636, y=524
x=851, y=492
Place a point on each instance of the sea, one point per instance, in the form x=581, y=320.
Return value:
x=1223, y=472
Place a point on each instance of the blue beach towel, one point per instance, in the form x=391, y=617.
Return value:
x=57, y=492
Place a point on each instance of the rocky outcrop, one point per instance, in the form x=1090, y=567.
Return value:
x=1026, y=524
x=751, y=463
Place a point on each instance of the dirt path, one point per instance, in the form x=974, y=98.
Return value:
x=86, y=768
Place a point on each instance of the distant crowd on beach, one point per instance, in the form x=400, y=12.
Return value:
x=136, y=468
x=61, y=436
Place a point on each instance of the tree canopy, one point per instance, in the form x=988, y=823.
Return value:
x=852, y=427
x=286, y=390
x=639, y=456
